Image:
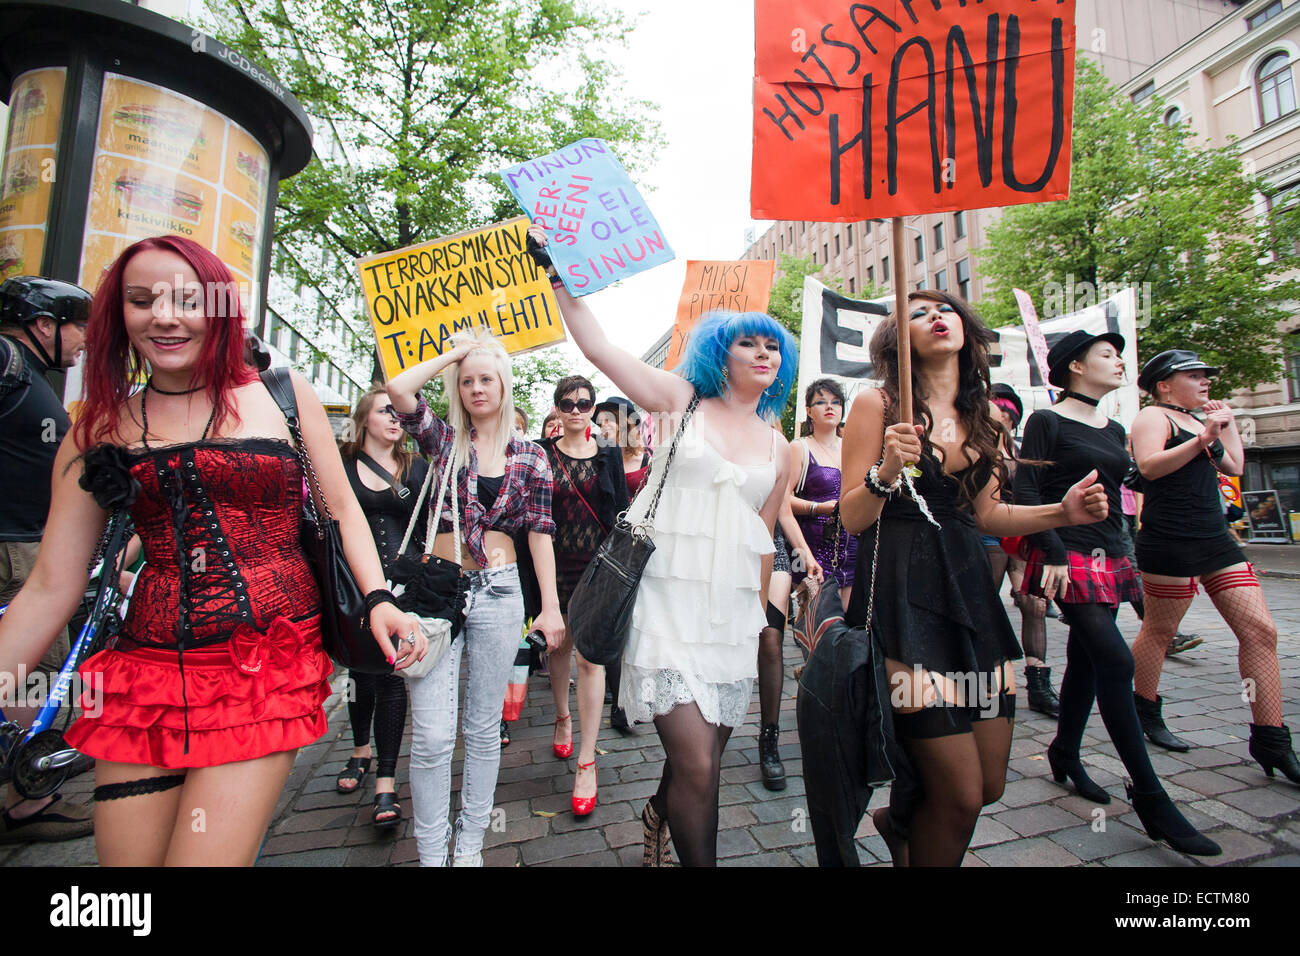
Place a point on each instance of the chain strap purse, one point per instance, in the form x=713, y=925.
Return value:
x=429, y=587
x=345, y=628
x=600, y=610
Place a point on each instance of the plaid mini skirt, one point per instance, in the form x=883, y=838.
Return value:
x=1093, y=579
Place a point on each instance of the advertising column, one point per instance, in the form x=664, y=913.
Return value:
x=27, y=181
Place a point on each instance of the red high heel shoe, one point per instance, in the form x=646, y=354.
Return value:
x=563, y=751
x=584, y=805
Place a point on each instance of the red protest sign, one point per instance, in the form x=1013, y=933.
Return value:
x=710, y=286
x=869, y=111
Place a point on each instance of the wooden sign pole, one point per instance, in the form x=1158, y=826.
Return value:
x=904, y=328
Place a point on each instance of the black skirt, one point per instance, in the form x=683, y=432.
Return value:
x=1186, y=557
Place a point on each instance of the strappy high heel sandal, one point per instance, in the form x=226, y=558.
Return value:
x=356, y=769
x=657, y=851
x=563, y=751
x=582, y=806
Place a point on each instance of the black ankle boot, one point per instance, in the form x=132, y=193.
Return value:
x=1271, y=746
x=1038, y=681
x=1153, y=724
x=1063, y=765
x=768, y=759
x=1162, y=821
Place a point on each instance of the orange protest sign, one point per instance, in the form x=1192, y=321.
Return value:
x=869, y=111
x=731, y=286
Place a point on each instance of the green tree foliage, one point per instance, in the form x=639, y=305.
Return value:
x=1151, y=208
x=416, y=104
x=786, y=306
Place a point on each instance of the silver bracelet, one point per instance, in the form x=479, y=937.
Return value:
x=873, y=479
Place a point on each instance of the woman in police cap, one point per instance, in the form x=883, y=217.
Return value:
x=1182, y=442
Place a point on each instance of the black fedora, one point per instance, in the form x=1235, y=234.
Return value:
x=616, y=403
x=1070, y=348
x=1170, y=362
x=1005, y=391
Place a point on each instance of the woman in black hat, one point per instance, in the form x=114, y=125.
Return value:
x=1009, y=410
x=1086, y=568
x=1184, y=537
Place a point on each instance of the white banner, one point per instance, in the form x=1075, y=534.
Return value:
x=837, y=330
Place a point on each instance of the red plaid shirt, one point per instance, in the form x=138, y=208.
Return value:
x=525, y=499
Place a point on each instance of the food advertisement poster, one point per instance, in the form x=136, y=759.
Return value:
x=167, y=164
x=27, y=180
x=420, y=296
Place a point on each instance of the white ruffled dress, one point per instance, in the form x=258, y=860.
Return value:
x=694, y=631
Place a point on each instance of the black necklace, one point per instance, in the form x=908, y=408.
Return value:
x=1094, y=402
x=1177, y=408
x=163, y=391
x=144, y=420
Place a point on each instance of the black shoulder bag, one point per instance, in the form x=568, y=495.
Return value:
x=600, y=610
x=345, y=630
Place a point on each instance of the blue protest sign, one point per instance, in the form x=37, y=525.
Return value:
x=599, y=226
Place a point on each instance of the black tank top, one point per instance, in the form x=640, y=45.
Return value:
x=1185, y=503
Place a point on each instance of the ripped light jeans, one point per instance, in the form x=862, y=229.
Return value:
x=494, y=616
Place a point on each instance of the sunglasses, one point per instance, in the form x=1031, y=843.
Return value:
x=567, y=405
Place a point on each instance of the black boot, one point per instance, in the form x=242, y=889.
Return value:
x=768, y=760
x=1038, y=681
x=1162, y=821
x=1271, y=746
x=1153, y=725
x=1063, y=765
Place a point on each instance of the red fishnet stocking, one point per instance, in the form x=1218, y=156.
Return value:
x=1237, y=595
x=1166, y=604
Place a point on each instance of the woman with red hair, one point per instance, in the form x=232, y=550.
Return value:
x=217, y=676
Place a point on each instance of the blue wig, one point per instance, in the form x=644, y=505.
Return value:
x=705, y=356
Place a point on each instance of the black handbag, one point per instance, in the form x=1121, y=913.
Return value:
x=426, y=584
x=600, y=610
x=345, y=630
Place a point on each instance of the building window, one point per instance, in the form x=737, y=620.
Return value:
x=1291, y=343
x=837, y=246
x=867, y=228
x=938, y=235
x=780, y=242
x=814, y=257
x=959, y=225
x=826, y=252
x=1276, y=88
x=1143, y=92
x=884, y=270
x=792, y=235
x=848, y=236
x=871, y=274
x=851, y=289
x=920, y=248
x=803, y=227
x=941, y=280
x=1173, y=116
x=963, y=279
x=1268, y=13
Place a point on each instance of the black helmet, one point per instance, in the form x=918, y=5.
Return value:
x=24, y=299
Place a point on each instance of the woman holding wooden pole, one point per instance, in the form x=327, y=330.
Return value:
x=948, y=656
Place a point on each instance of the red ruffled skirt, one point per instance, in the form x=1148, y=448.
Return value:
x=258, y=694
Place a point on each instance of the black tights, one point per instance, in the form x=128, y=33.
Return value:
x=951, y=778
x=688, y=790
x=382, y=696
x=771, y=674
x=1099, y=665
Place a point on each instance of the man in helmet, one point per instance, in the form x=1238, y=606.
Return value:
x=42, y=329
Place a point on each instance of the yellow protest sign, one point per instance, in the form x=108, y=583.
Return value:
x=418, y=297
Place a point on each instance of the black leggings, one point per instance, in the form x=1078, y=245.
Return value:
x=688, y=790
x=382, y=696
x=1099, y=666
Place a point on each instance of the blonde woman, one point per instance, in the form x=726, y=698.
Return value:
x=502, y=487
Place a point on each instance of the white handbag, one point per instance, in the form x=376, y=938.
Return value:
x=436, y=630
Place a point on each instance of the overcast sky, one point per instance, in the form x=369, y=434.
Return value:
x=696, y=61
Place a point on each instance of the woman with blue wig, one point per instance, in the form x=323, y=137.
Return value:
x=690, y=660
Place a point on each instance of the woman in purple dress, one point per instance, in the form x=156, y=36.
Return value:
x=814, y=497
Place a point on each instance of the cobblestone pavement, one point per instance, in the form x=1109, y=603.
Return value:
x=1036, y=823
